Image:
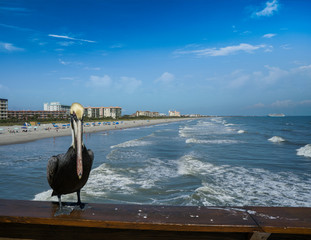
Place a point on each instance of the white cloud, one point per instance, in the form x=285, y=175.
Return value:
x=274, y=74
x=286, y=46
x=117, y=45
x=165, y=78
x=98, y=81
x=239, y=81
x=63, y=62
x=269, y=10
x=269, y=35
x=9, y=47
x=259, y=105
x=70, y=38
x=124, y=84
x=308, y=67
x=269, y=48
x=305, y=102
x=129, y=84
x=224, y=51
x=283, y=103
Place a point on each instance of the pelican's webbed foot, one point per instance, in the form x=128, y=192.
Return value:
x=63, y=210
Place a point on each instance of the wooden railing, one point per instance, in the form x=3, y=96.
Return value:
x=39, y=220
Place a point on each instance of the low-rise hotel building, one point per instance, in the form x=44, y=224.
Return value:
x=56, y=106
x=28, y=114
x=3, y=108
x=146, y=114
x=103, y=112
x=174, y=114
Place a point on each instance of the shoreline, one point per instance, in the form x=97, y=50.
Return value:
x=17, y=136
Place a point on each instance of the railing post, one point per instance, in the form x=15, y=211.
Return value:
x=260, y=236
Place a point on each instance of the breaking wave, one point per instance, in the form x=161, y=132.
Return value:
x=276, y=139
x=224, y=185
x=220, y=141
x=216, y=126
x=304, y=151
x=132, y=143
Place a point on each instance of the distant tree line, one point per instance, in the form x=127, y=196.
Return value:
x=63, y=119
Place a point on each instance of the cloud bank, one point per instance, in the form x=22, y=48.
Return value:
x=269, y=10
x=224, y=51
x=70, y=38
x=9, y=47
x=125, y=84
x=165, y=78
x=269, y=35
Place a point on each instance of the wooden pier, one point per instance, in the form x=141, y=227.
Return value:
x=38, y=220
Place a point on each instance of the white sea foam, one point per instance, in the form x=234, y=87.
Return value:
x=46, y=196
x=132, y=143
x=43, y=196
x=217, y=141
x=106, y=180
x=276, y=139
x=225, y=184
x=191, y=165
x=304, y=151
x=213, y=126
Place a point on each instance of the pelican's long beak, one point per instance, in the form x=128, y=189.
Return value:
x=76, y=112
x=79, y=146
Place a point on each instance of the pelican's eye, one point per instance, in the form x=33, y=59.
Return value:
x=74, y=116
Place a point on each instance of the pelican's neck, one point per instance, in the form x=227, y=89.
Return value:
x=73, y=143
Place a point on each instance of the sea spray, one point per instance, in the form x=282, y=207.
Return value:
x=304, y=151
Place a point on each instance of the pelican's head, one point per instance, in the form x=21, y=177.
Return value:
x=76, y=114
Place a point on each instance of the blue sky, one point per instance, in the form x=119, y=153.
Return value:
x=208, y=57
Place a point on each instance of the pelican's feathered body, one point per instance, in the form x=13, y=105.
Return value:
x=69, y=172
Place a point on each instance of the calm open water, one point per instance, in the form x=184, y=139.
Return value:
x=216, y=161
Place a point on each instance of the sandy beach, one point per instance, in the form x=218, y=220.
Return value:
x=21, y=134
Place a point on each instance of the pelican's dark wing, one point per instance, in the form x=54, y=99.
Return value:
x=52, y=169
x=90, y=152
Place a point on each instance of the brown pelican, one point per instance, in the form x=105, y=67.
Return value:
x=68, y=173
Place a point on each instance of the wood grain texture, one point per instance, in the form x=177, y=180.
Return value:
x=37, y=220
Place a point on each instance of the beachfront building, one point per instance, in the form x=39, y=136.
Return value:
x=56, y=106
x=174, y=114
x=3, y=108
x=28, y=114
x=113, y=112
x=146, y=114
x=103, y=112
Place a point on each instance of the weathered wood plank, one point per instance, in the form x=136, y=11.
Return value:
x=143, y=217
x=293, y=220
x=37, y=220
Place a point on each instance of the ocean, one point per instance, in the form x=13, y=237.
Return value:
x=216, y=161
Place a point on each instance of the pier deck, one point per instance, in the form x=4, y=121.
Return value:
x=37, y=220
